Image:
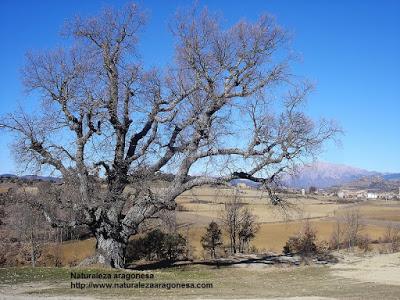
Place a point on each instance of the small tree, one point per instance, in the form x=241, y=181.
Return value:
x=27, y=222
x=312, y=189
x=212, y=239
x=392, y=236
x=239, y=223
x=352, y=227
x=337, y=236
x=248, y=229
x=231, y=220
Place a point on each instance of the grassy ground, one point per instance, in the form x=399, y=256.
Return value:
x=71, y=252
x=227, y=283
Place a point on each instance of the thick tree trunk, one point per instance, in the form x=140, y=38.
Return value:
x=111, y=242
x=33, y=254
x=110, y=251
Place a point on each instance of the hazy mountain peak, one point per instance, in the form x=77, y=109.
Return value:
x=324, y=174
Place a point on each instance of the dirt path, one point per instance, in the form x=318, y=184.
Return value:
x=382, y=269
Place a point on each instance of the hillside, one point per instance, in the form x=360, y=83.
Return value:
x=323, y=175
x=374, y=183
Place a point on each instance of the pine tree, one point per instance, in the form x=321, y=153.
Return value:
x=212, y=239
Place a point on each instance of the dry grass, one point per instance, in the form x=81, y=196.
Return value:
x=3, y=190
x=377, y=210
x=273, y=236
x=207, y=205
x=71, y=252
x=381, y=213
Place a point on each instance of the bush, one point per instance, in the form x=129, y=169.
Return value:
x=153, y=244
x=392, y=236
x=304, y=243
x=363, y=242
x=156, y=245
x=135, y=249
x=174, y=246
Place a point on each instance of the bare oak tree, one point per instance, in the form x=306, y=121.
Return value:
x=27, y=223
x=239, y=223
x=352, y=227
x=110, y=127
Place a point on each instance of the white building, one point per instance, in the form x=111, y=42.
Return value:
x=372, y=196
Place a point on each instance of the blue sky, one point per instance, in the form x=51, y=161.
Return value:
x=350, y=49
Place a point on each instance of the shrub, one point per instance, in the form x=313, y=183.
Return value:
x=304, y=243
x=174, y=246
x=363, y=242
x=135, y=249
x=153, y=244
x=156, y=245
x=392, y=236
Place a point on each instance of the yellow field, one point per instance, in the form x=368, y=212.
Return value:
x=379, y=212
x=3, y=190
x=208, y=206
x=203, y=205
x=273, y=236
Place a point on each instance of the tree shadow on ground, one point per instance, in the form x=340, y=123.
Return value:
x=222, y=262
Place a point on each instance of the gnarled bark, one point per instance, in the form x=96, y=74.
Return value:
x=110, y=250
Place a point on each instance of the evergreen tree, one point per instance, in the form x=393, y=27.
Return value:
x=212, y=239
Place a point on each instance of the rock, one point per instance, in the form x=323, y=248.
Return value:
x=288, y=259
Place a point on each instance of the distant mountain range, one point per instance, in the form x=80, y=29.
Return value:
x=30, y=177
x=383, y=183
x=318, y=174
x=323, y=175
x=326, y=175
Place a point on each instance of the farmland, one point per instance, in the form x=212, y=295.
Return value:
x=366, y=276
x=198, y=207
x=202, y=205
